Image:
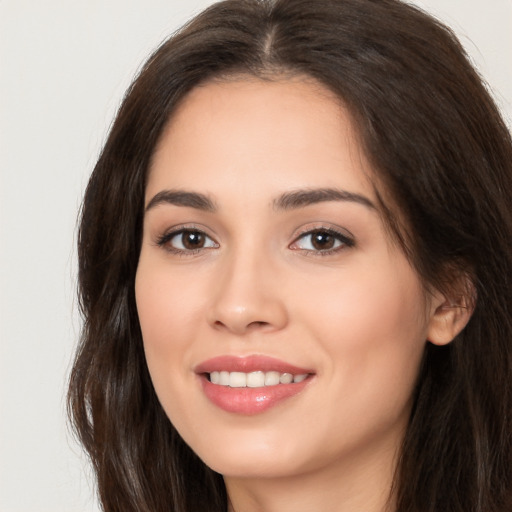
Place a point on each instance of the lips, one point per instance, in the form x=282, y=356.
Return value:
x=250, y=385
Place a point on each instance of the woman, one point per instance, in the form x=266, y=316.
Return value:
x=295, y=260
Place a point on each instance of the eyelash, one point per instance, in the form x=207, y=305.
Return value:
x=345, y=240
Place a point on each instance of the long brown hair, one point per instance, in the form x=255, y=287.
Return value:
x=442, y=153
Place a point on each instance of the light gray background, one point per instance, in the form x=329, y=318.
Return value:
x=64, y=66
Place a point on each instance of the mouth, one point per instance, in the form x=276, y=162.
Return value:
x=250, y=385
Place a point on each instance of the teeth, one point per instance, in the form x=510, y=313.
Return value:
x=286, y=378
x=237, y=380
x=271, y=378
x=254, y=379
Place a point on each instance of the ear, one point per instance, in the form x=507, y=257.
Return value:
x=450, y=313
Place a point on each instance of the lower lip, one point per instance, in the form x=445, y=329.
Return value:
x=250, y=401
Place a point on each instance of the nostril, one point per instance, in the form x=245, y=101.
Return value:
x=257, y=325
x=248, y=327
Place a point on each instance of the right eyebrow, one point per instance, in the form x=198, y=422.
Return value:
x=182, y=198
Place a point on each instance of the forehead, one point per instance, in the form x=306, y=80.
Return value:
x=257, y=135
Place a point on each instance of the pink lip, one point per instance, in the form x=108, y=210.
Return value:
x=248, y=364
x=249, y=401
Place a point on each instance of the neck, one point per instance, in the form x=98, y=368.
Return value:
x=344, y=487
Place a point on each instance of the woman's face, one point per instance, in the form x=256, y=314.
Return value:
x=265, y=259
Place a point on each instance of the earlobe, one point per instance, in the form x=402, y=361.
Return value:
x=449, y=317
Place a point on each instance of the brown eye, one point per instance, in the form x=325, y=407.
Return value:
x=192, y=240
x=322, y=240
x=187, y=240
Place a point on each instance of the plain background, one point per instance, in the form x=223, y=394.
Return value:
x=64, y=66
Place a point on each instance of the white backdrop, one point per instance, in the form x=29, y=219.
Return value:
x=64, y=66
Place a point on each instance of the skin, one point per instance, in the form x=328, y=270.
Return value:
x=357, y=316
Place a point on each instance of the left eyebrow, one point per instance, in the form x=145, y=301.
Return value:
x=300, y=198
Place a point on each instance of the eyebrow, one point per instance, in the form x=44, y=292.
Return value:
x=182, y=198
x=287, y=201
x=300, y=198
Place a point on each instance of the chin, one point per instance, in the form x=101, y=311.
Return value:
x=252, y=454
x=268, y=467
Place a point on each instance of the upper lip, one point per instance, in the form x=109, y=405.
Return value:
x=248, y=364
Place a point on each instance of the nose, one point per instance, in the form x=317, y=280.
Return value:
x=248, y=296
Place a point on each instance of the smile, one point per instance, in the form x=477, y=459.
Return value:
x=257, y=379
x=251, y=384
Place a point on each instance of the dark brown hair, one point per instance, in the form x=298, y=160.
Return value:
x=440, y=150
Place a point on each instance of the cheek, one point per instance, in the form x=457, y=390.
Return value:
x=379, y=310
x=167, y=306
x=371, y=327
x=168, y=310
x=370, y=303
